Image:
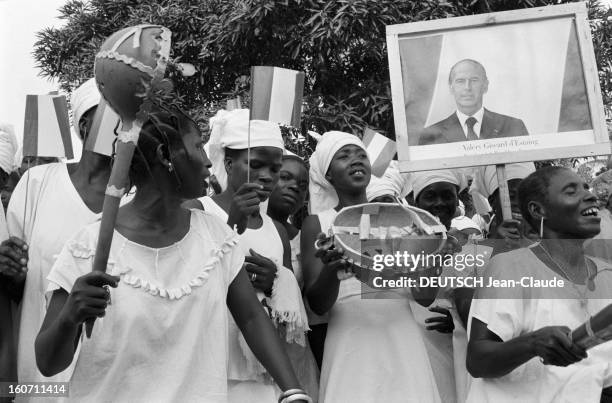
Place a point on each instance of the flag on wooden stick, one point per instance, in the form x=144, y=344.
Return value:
x=276, y=95
x=233, y=103
x=46, y=130
x=380, y=149
x=102, y=134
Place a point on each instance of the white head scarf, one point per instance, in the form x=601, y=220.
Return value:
x=485, y=177
x=83, y=99
x=462, y=223
x=461, y=208
x=8, y=148
x=230, y=129
x=322, y=194
x=602, y=185
x=481, y=203
x=391, y=183
x=422, y=179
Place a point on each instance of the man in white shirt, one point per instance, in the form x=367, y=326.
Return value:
x=471, y=121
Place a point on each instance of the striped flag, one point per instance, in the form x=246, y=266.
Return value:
x=102, y=134
x=276, y=95
x=46, y=130
x=233, y=103
x=380, y=149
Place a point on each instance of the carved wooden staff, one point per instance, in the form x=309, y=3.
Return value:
x=130, y=64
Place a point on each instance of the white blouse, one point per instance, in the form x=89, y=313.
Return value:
x=513, y=311
x=164, y=338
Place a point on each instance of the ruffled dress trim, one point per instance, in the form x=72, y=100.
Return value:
x=82, y=251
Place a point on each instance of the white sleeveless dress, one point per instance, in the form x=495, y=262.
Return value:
x=374, y=350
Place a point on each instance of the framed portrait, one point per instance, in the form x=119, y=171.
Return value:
x=496, y=88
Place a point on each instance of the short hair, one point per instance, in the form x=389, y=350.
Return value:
x=450, y=74
x=535, y=188
x=163, y=128
x=296, y=158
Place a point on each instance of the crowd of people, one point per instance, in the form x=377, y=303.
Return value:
x=225, y=297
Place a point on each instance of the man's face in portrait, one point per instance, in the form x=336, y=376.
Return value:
x=468, y=83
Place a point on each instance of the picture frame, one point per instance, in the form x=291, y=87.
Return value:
x=535, y=75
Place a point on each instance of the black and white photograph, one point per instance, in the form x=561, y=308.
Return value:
x=305, y=201
x=521, y=84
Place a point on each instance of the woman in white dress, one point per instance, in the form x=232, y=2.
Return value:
x=438, y=193
x=247, y=178
x=173, y=270
x=49, y=205
x=519, y=346
x=374, y=351
x=287, y=198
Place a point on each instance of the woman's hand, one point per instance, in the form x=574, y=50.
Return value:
x=261, y=271
x=332, y=258
x=509, y=229
x=554, y=346
x=443, y=324
x=454, y=242
x=245, y=203
x=13, y=266
x=89, y=298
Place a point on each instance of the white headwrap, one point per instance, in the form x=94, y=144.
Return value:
x=322, y=194
x=602, y=185
x=8, y=147
x=462, y=222
x=461, y=208
x=83, y=99
x=485, y=177
x=392, y=183
x=481, y=203
x=230, y=129
x=422, y=179
x=18, y=158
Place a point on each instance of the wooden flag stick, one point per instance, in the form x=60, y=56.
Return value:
x=249, y=151
x=504, y=194
x=251, y=94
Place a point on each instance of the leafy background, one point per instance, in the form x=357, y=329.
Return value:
x=340, y=44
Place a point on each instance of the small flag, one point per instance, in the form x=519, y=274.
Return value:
x=102, y=134
x=276, y=95
x=380, y=149
x=233, y=103
x=46, y=130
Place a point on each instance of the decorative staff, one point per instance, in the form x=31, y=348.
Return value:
x=129, y=71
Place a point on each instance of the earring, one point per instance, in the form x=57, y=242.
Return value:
x=541, y=227
x=170, y=169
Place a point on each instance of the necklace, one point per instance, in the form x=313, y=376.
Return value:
x=590, y=282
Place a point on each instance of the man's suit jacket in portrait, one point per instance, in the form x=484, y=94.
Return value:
x=494, y=125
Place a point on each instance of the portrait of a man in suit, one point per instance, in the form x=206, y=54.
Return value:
x=468, y=83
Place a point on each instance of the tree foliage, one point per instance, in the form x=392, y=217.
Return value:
x=340, y=44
